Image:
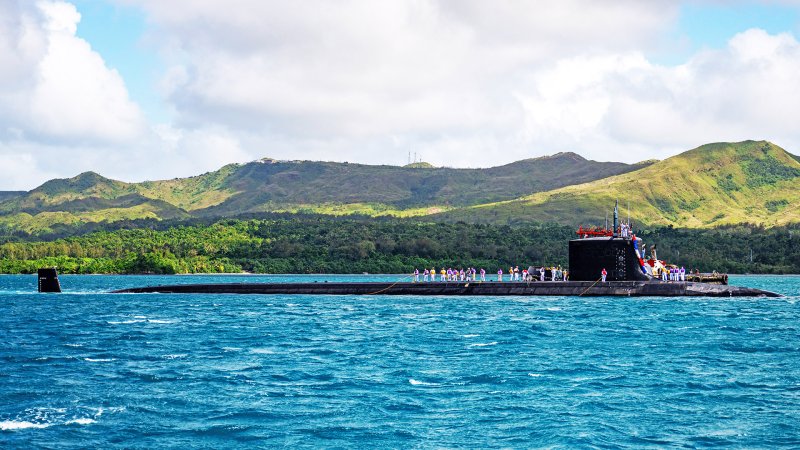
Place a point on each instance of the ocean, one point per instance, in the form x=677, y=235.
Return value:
x=91, y=369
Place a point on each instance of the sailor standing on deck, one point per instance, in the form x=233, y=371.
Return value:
x=483, y=274
x=603, y=274
x=416, y=275
x=500, y=275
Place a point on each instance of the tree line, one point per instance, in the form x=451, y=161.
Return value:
x=309, y=244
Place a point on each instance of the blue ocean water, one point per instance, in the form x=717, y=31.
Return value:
x=92, y=369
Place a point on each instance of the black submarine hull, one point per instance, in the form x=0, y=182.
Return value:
x=545, y=288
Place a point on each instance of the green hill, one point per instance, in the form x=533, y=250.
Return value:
x=319, y=186
x=716, y=184
x=281, y=186
x=87, y=197
x=712, y=185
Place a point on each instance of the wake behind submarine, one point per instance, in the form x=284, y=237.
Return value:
x=628, y=274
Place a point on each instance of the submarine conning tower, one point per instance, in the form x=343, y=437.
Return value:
x=618, y=255
x=589, y=256
x=48, y=280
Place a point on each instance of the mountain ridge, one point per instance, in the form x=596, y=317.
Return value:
x=714, y=184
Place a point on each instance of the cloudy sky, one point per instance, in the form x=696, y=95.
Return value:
x=153, y=89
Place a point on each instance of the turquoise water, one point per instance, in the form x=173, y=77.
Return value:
x=91, y=369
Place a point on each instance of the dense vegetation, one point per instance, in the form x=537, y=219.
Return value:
x=310, y=244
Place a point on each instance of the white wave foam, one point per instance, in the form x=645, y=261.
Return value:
x=80, y=421
x=99, y=359
x=535, y=375
x=554, y=308
x=231, y=349
x=123, y=322
x=176, y=356
x=100, y=410
x=470, y=335
x=73, y=345
x=262, y=351
x=414, y=382
x=21, y=425
x=483, y=344
x=140, y=317
x=160, y=321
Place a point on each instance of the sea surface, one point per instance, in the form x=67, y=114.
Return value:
x=91, y=369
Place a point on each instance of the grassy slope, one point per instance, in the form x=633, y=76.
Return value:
x=44, y=221
x=321, y=186
x=191, y=193
x=715, y=184
x=59, y=191
x=87, y=197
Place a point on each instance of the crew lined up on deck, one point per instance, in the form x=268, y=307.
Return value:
x=472, y=274
x=672, y=274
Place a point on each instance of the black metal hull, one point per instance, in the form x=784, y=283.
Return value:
x=547, y=288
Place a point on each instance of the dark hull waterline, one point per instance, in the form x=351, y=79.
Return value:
x=554, y=288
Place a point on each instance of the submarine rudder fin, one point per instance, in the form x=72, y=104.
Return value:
x=48, y=280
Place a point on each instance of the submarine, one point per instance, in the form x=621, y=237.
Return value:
x=592, y=253
x=618, y=254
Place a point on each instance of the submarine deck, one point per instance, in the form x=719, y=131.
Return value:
x=540, y=288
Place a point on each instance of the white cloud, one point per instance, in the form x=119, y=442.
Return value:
x=18, y=170
x=459, y=81
x=64, y=111
x=355, y=77
x=745, y=91
x=56, y=88
x=468, y=83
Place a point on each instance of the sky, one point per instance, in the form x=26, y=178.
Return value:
x=148, y=89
